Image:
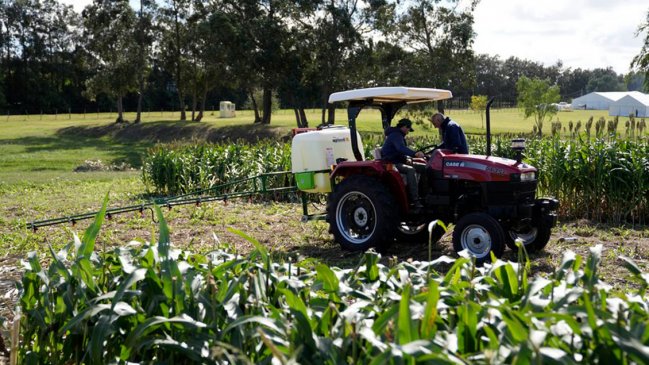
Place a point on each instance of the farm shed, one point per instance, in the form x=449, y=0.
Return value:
x=636, y=104
x=597, y=100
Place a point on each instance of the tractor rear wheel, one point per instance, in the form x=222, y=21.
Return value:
x=362, y=213
x=534, y=238
x=480, y=234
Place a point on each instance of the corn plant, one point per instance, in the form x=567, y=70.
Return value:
x=175, y=169
x=154, y=303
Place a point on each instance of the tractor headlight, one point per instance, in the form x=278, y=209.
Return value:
x=518, y=144
x=528, y=176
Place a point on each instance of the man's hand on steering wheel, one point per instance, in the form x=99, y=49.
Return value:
x=420, y=154
x=429, y=148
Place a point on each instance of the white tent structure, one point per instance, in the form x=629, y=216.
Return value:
x=635, y=103
x=598, y=100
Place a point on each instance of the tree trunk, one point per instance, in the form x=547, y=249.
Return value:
x=254, y=106
x=297, y=118
x=201, y=112
x=194, y=106
x=181, y=100
x=305, y=122
x=267, y=105
x=120, y=110
x=138, y=116
x=331, y=117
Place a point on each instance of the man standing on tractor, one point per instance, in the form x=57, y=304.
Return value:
x=394, y=150
x=453, y=137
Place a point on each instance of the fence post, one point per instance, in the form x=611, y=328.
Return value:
x=69, y=113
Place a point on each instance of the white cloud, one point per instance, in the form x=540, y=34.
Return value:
x=580, y=33
x=78, y=5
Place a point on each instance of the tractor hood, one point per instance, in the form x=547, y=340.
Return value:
x=480, y=168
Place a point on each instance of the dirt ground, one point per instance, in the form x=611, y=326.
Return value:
x=278, y=226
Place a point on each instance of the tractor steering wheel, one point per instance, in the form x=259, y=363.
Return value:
x=429, y=148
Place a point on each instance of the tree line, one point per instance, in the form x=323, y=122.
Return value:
x=182, y=54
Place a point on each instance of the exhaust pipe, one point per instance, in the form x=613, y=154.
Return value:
x=489, y=126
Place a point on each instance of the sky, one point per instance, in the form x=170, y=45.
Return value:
x=583, y=34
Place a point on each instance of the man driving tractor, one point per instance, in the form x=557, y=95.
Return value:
x=396, y=151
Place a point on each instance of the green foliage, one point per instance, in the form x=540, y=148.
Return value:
x=479, y=104
x=535, y=98
x=155, y=303
x=595, y=179
x=173, y=169
x=641, y=60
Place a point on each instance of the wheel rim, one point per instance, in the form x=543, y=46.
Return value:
x=527, y=237
x=477, y=240
x=356, y=217
x=411, y=229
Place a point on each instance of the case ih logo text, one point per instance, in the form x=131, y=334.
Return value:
x=454, y=164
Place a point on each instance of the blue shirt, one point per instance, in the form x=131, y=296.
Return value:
x=453, y=137
x=394, y=148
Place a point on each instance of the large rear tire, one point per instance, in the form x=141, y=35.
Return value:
x=534, y=238
x=362, y=214
x=480, y=234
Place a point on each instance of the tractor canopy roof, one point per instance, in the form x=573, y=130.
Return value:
x=387, y=95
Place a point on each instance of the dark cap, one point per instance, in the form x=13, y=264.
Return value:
x=405, y=122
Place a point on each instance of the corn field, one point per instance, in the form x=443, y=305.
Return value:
x=178, y=169
x=604, y=179
x=151, y=303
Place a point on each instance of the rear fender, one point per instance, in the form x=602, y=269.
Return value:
x=378, y=169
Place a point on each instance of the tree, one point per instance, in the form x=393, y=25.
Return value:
x=144, y=41
x=479, y=104
x=173, y=15
x=605, y=79
x=535, y=98
x=441, y=37
x=113, y=50
x=635, y=81
x=641, y=61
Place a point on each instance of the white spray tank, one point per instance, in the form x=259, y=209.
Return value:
x=314, y=153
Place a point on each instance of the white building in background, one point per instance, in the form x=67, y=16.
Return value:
x=227, y=109
x=635, y=103
x=599, y=100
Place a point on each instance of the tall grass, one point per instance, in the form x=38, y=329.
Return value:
x=156, y=304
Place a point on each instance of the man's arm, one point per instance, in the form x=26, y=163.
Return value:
x=399, y=145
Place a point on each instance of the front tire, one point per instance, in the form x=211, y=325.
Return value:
x=361, y=214
x=480, y=234
x=534, y=238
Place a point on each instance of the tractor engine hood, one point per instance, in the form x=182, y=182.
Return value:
x=480, y=168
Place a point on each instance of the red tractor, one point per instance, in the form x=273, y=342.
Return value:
x=491, y=200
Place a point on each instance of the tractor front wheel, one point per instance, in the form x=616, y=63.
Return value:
x=361, y=214
x=480, y=234
x=534, y=238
